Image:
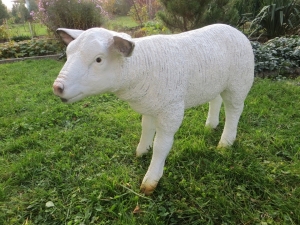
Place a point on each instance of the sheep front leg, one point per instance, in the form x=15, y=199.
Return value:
x=148, y=131
x=166, y=127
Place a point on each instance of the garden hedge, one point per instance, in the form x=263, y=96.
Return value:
x=278, y=57
x=36, y=47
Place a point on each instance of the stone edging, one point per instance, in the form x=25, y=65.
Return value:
x=27, y=58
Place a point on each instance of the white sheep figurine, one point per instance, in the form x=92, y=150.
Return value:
x=160, y=76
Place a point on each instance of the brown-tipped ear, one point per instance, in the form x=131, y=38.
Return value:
x=68, y=35
x=123, y=46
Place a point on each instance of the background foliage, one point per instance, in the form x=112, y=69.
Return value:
x=183, y=15
x=29, y=48
x=3, y=13
x=143, y=10
x=74, y=14
x=3, y=33
x=278, y=18
x=268, y=17
x=20, y=14
x=280, y=55
x=221, y=11
x=116, y=7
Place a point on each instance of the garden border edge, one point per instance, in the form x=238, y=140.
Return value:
x=12, y=60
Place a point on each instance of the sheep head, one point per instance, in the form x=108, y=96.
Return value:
x=93, y=62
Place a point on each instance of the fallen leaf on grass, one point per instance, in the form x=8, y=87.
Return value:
x=49, y=204
x=137, y=210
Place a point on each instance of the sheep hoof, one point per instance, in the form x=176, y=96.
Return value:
x=212, y=123
x=140, y=151
x=211, y=126
x=148, y=189
x=220, y=146
x=223, y=145
x=140, y=154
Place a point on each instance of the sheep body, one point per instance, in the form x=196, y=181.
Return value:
x=160, y=76
x=185, y=67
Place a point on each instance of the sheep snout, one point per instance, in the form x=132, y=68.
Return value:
x=58, y=88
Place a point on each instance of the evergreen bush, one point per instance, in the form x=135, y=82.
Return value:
x=181, y=15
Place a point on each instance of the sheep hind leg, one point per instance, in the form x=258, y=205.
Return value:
x=148, y=131
x=212, y=120
x=233, y=110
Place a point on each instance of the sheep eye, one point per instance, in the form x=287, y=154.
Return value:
x=98, y=60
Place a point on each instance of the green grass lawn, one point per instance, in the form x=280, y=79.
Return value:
x=24, y=29
x=75, y=164
x=120, y=23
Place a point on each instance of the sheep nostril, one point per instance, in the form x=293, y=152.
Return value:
x=58, y=88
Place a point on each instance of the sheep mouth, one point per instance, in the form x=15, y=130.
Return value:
x=64, y=100
x=73, y=99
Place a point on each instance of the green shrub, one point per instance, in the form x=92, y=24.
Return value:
x=154, y=27
x=76, y=14
x=221, y=11
x=116, y=7
x=3, y=33
x=142, y=10
x=29, y=48
x=280, y=55
x=139, y=13
x=183, y=15
x=277, y=19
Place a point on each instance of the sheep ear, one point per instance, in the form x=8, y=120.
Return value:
x=123, y=46
x=68, y=35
